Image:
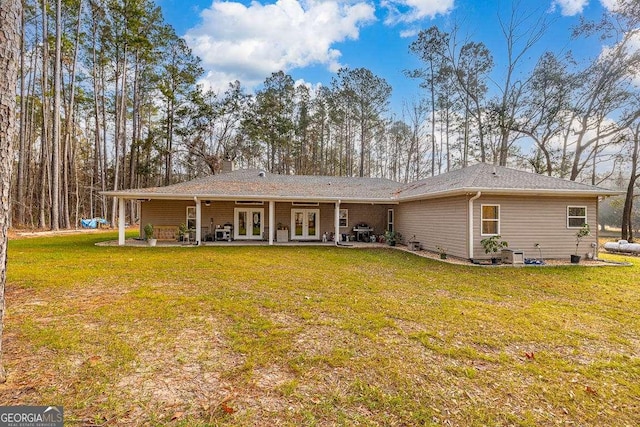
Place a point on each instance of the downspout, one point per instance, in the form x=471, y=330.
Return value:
x=198, y=220
x=470, y=217
x=596, y=248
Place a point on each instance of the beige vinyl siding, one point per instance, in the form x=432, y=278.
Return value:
x=373, y=215
x=164, y=212
x=527, y=221
x=435, y=222
x=174, y=213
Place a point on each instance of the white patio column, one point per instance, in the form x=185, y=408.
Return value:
x=121, y=227
x=272, y=220
x=198, y=220
x=336, y=238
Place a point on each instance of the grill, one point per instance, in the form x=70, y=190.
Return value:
x=363, y=232
x=224, y=232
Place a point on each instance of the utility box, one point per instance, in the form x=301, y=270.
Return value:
x=513, y=256
x=414, y=246
x=282, y=236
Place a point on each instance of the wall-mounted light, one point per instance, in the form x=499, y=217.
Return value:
x=207, y=202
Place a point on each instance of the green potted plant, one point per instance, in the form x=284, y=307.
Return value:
x=182, y=231
x=392, y=237
x=492, y=245
x=580, y=234
x=442, y=252
x=149, y=234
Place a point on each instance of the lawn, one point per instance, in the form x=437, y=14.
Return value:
x=262, y=336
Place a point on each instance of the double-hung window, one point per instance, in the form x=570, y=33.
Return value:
x=490, y=220
x=191, y=217
x=344, y=217
x=576, y=216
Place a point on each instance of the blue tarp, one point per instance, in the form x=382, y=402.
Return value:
x=93, y=222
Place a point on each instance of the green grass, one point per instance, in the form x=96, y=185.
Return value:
x=315, y=336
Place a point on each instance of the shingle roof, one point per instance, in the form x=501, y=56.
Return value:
x=250, y=184
x=495, y=179
x=255, y=184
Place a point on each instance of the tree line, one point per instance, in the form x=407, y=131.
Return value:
x=108, y=98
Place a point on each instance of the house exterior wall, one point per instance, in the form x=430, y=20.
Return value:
x=374, y=216
x=174, y=213
x=525, y=221
x=164, y=212
x=435, y=223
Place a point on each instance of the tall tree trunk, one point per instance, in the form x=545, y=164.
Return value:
x=103, y=166
x=98, y=170
x=20, y=193
x=120, y=129
x=44, y=135
x=55, y=150
x=70, y=126
x=432, y=88
x=10, y=12
x=627, y=212
x=30, y=197
x=135, y=135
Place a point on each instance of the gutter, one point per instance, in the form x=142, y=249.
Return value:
x=510, y=192
x=202, y=196
x=470, y=218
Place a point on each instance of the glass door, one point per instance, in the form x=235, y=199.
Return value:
x=248, y=223
x=304, y=223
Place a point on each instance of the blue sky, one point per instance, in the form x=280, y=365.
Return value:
x=311, y=39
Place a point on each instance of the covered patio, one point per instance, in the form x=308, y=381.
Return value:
x=208, y=220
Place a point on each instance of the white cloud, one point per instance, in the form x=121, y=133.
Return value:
x=410, y=32
x=248, y=43
x=570, y=7
x=313, y=87
x=610, y=5
x=407, y=11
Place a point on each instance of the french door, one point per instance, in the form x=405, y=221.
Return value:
x=305, y=224
x=248, y=224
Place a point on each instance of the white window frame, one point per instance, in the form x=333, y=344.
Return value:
x=191, y=218
x=483, y=220
x=344, y=217
x=391, y=219
x=576, y=216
